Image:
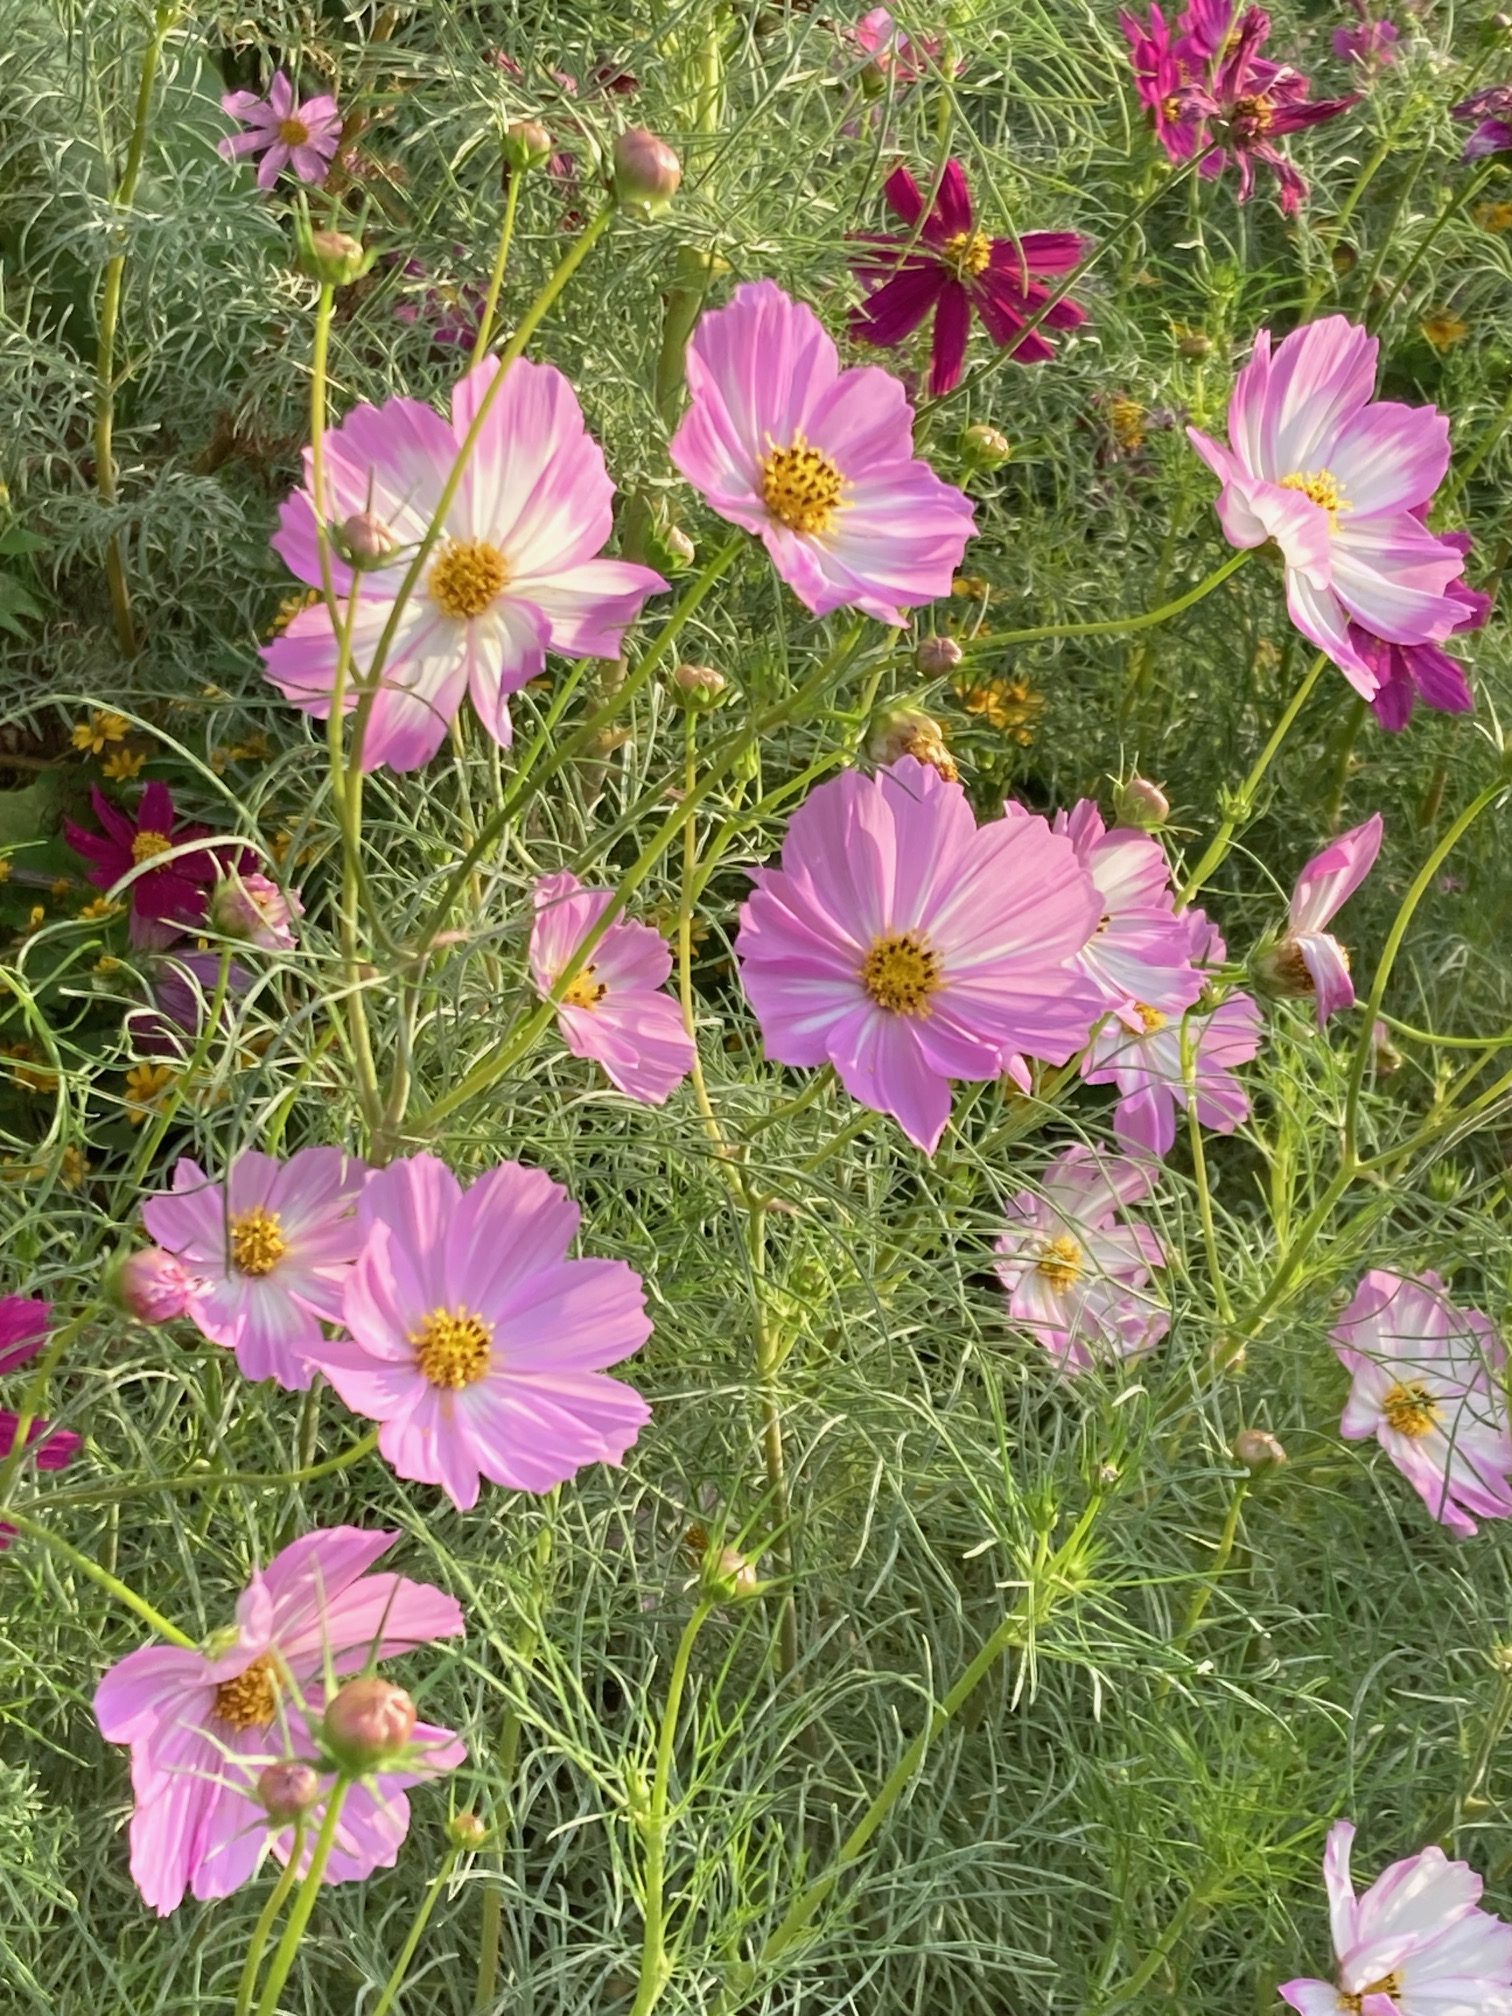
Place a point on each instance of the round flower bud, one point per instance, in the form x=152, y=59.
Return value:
x=526, y=144
x=936, y=656
x=676, y=548
x=151, y=1285
x=984, y=447
x=366, y=540
x=1385, y=1053
x=466, y=1830
x=1193, y=344
x=1258, y=1450
x=332, y=257
x=698, y=685
x=731, y=1575
x=257, y=911
x=368, y=1722
x=1142, y=804
x=906, y=732
x=288, y=1790
x=646, y=171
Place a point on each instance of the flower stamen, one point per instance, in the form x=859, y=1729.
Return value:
x=583, y=991
x=1061, y=1261
x=901, y=972
x=967, y=253
x=801, y=487
x=1322, y=486
x=250, y=1699
x=147, y=845
x=453, y=1348
x=1411, y=1410
x=257, y=1241
x=293, y=132
x=468, y=576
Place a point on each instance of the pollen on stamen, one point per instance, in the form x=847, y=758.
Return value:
x=801, y=487
x=901, y=972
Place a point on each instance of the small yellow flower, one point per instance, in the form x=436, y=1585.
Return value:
x=60, y=888
x=97, y=911
x=219, y=758
x=1011, y=706
x=970, y=588
x=1495, y=217
x=145, y=1086
x=36, y=918
x=73, y=1168
x=1126, y=417
x=97, y=731
x=122, y=764
x=105, y=965
x=34, y=1076
x=256, y=749
x=1443, y=329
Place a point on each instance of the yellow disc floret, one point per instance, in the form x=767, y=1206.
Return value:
x=467, y=577
x=453, y=1348
x=257, y=1241
x=801, y=487
x=901, y=972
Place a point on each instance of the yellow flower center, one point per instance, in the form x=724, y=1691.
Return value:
x=1322, y=486
x=148, y=845
x=257, y=1241
x=468, y=575
x=967, y=253
x=801, y=487
x=583, y=991
x=900, y=973
x=1061, y=1260
x=293, y=132
x=1389, y=1984
x=250, y=1701
x=1411, y=1410
x=1151, y=1017
x=453, y=1348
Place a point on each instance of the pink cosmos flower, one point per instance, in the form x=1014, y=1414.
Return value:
x=818, y=462
x=476, y=1341
x=1416, y=1944
x=1248, y=105
x=270, y=1249
x=1337, y=479
x=614, y=1009
x=1147, y=1069
x=1426, y=1386
x=904, y=58
x=204, y=1725
x=1164, y=64
x=907, y=946
x=942, y=265
x=513, y=576
x=166, y=900
x=1490, y=112
x=1075, y=1269
x=1367, y=45
x=253, y=908
x=302, y=137
x=1410, y=672
x=23, y=1329
x=1309, y=960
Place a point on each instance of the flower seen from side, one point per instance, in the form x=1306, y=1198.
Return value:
x=1309, y=959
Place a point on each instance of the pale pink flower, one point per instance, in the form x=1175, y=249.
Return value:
x=516, y=572
x=270, y=1249
x=1309, y=959
x=905, y=58
x=1337, y=478
x=256, y=910
x=302, y=137
x=1416, y=1944
x=1427, y=1386
x=204, y=1726
x=476, y=1341
x=1076, y=1269
x=1147, y=1068
x=614, y=1009
x=907, y=946
x=818, y=462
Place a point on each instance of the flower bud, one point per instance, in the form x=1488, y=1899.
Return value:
x=678, y=547
x=1193, y=344
x=330, y=256
x=526, y=144
x=366, y=540
x=906, y=732
x=984, y=447
x=936, y=656
x=368, y=1722
x=288, y=1790
x=1386, y=1056
x=699, y=686
x=1141, y=804
x=1281, y=971
x=731, y=1575
x=252, y=908
x=646, y=171
x=1258, y=1450
x=466, y=1830
x=150, y=1285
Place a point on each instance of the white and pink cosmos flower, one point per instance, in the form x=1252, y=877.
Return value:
x=1309, y=959
x=1338, y=479
x=517, y=571
x=1416, y=1944
x=818, y=462
x=1076, y=1268
x=615, y=1009
x=1427, y=1386
x=907, y=946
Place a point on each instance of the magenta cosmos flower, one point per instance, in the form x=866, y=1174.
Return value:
x=1426, y=1385
x=944, y=266
x=907, y=946
x=1416, y=1944
x=270, y=1249
x=476, y=1341
x=1490, y=113
x=1309, y=960
x=1249, y=103
x=515, y=574
x=614, y=1009
x=23, y=1331
x=302, y=137
x=1411, y=672
x=1165, y=62
x=1368, y=45
x=204, y=1725
x=166, y=900
x=1337, y=478
x=1076, y=1269
x=816, y=461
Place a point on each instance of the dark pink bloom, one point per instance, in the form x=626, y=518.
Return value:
x=1368, y=45
x=182, y=987
x=165, y=900
x=1490, y=112
x=615, y=1009
x=944, y=266
x=204, y=1726
x=1164, y=64
x=302, y=137
x=23, y=1331
x=1411, y=672
x=1151, y=1077
x=23, y=1328
x=1251, y=103
x=1309, y=960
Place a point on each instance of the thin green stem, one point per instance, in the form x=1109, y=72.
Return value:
x=304, y=1903
x=268, y=1917
x=501, y=262
x=655, y=1966
x=198, y=1480
x=111, y=1584
x=407, y=1951
x=1199, y=1171
x=1202, y=1595
x=1457, y=201
x=1112, y=626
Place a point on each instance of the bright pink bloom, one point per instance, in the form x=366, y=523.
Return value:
x=302, y=137
x=153, y=1286
x=253, y=908
x=513, y=576
x=23, y=1330
x=203, y=1726
x=942, y=265
x=1309, y=960
x=166, y=900
x=1077, y=1270
x=476, y=1341
x=50, y=1449
x=1250, y=103
x=1490, y=112
x=903, y=58
x=1164, y=65
x=1147, y=1069
x=614, y=1009
x=1416, y=1944
x=1426, y=1385
x=1337, y=479
x=816, y=461
x=270, y=1249
x=907, y=946
x=1410, y=672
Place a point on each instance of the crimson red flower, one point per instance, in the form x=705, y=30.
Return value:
x=946, y=266
x=164, y=900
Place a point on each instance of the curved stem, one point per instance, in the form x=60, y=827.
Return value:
x=1463, y=195
x=262, y=1931
x=1113, y=626
x=1202, y=1595
x=304, y=1903
x=111, y=1584
x=655, y=1968
x=196, y=1480
x=433, y=1891
x=501, y=261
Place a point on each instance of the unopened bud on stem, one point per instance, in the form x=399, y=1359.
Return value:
x=646, y=171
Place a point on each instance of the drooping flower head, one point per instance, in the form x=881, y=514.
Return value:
x=945, y=266
x=1249, y=104
x=513, y=575
x=270, y=1250
x=302, y=137
x=1338, y=479
x=165, y=900
x=474, y=1338
x=1411, y=672
x=1150, y=1072
x=205, y=1725
x=816, y=461
x=1076, y=1269
x=1490, y=113
x=907, y=946
x=1416, y=1944
x=1426, y=1385
x=615, y=1009
x=1308, y=959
